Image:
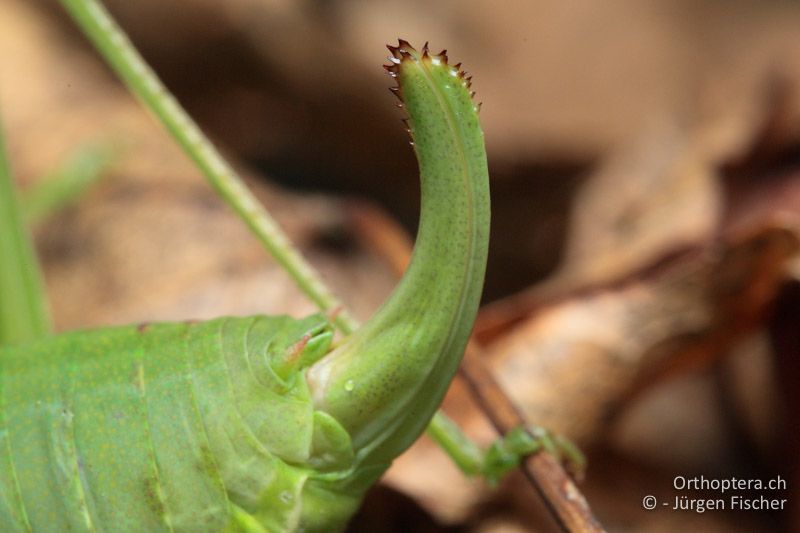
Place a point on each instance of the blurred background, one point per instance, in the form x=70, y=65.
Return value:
x=643, y=290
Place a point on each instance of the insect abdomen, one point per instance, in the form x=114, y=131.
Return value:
x=159, y=428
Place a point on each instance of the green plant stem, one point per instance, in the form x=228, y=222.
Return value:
x=68, y=182
x=23, y=305
x=121, y=55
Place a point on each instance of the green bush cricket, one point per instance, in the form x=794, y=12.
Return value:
x=255, y=424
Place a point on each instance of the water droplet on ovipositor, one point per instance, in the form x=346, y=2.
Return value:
x=349, y=385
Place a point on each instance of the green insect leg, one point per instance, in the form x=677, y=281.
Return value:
x=504, y=454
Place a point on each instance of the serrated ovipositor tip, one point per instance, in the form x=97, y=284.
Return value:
x=405, y=52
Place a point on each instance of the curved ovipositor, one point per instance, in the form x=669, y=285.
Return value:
x=254, y=424
x=385, y=381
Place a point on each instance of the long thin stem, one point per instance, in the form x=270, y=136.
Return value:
x=121, y=55
x=23, y=307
